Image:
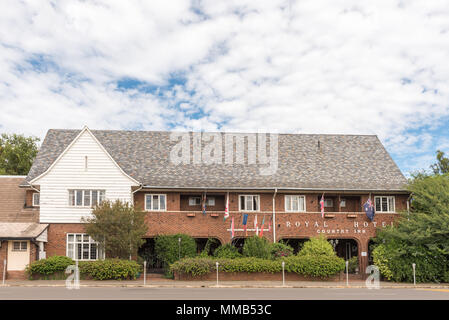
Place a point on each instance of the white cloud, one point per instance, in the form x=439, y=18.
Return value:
x=289, y=66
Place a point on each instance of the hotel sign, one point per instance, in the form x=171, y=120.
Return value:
x=328, y=228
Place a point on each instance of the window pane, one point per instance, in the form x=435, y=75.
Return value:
x=86, y=238
x=155, y=202
x=93, y=251
x=85, y=251
x=301, y=204
x=249, y=203
x=102, y=196
x=295, y=203
x=71, y=197
x=384, y=204
x=162, y=202
x=78, y=238
x=79, y=251
x=288, y=206
x=36, y=199
x=79, y=197
x=16, y=246
x=23, y=245
x=377, y=200
x=94, y=198
x=87, y=198
x=148, y=202
x=391, y=204
x=256, y=203
x=70, y=238
x=242, y=202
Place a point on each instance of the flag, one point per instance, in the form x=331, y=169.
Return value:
x=204, y=203
x=245, y=222
x=255, y=225
x=369, y=209
x=322, y=206
x=232, y=228
x=226, y=215
x=261, y=228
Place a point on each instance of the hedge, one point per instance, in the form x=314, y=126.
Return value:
x=109, y=269
x=315, y=266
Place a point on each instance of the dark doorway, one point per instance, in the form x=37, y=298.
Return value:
x=345, y=248
x=296, y=244
x=371, y=246
x=212, y=243
x=238, y=243
x=146, y=252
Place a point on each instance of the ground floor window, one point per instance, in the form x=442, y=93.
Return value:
x=81, y=246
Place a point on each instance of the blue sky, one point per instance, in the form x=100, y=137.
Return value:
x=310, y=66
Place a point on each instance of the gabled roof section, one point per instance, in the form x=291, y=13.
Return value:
x=49, y=155
x=341, y=162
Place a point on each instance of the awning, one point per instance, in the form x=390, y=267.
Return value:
x=23, y=231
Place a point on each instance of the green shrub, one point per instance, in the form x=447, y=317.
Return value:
x=279, y=250
x=257, y=247
x=166, y=248
x=110, y=269
x=353, y=264
x=315, y=266
x=227, y=251
x=321, y=266
x=317, y=246
x=49, y=266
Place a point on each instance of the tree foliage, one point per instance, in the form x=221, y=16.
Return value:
x=17, y=153
x=442, y=164
x=257, y=247
x=118, y=228
x=421, y=237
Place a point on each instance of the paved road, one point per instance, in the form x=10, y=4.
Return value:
x=120, y=293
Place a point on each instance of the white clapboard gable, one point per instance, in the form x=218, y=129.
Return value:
x=85, y=164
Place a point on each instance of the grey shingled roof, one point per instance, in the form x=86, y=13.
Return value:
x=350, y=162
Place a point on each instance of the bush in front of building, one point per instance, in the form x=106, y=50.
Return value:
x=280, y=250
x=257, y=247
x=110, y=269
x=317, y=246
x=52, y=267
x=227, y=251
x=319, y=266
x=168, y=249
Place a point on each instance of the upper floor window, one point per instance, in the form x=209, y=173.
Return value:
x=155, y=202
x=328, y=203
x=81, y=246
x=249, y=202
x=36, y=199
x=295, y=203
x=384, y=203
x=86, y=198
x=196, y=201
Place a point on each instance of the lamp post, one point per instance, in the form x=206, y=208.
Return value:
x=414, y=273
x=283, y=273
x=216, y=264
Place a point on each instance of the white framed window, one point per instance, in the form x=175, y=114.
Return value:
x=328, y=203
x=155, y=202
x=81, y=246
x=196, y=201
x=86, y=198
x=384, y=203
x=36, y=199
x=249, y=202
x=295, y=203
x=19, y=246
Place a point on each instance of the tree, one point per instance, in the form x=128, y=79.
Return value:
x=442, y=164
x=17, y=153
x=118, y=228
x=421, y=237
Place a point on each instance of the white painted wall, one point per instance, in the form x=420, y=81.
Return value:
x=69, y=173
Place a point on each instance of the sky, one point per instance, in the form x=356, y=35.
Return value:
x=306, y=66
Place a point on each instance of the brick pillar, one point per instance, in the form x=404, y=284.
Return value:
x=363, y=261
x=3, y=256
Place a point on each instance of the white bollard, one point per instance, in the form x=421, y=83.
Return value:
x=414, y=274
x=216, y=264
x=144, y=273
x=283, y=273
x=347, y=273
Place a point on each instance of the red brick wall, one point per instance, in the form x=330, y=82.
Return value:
x=3, y=256
x=57, y=236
